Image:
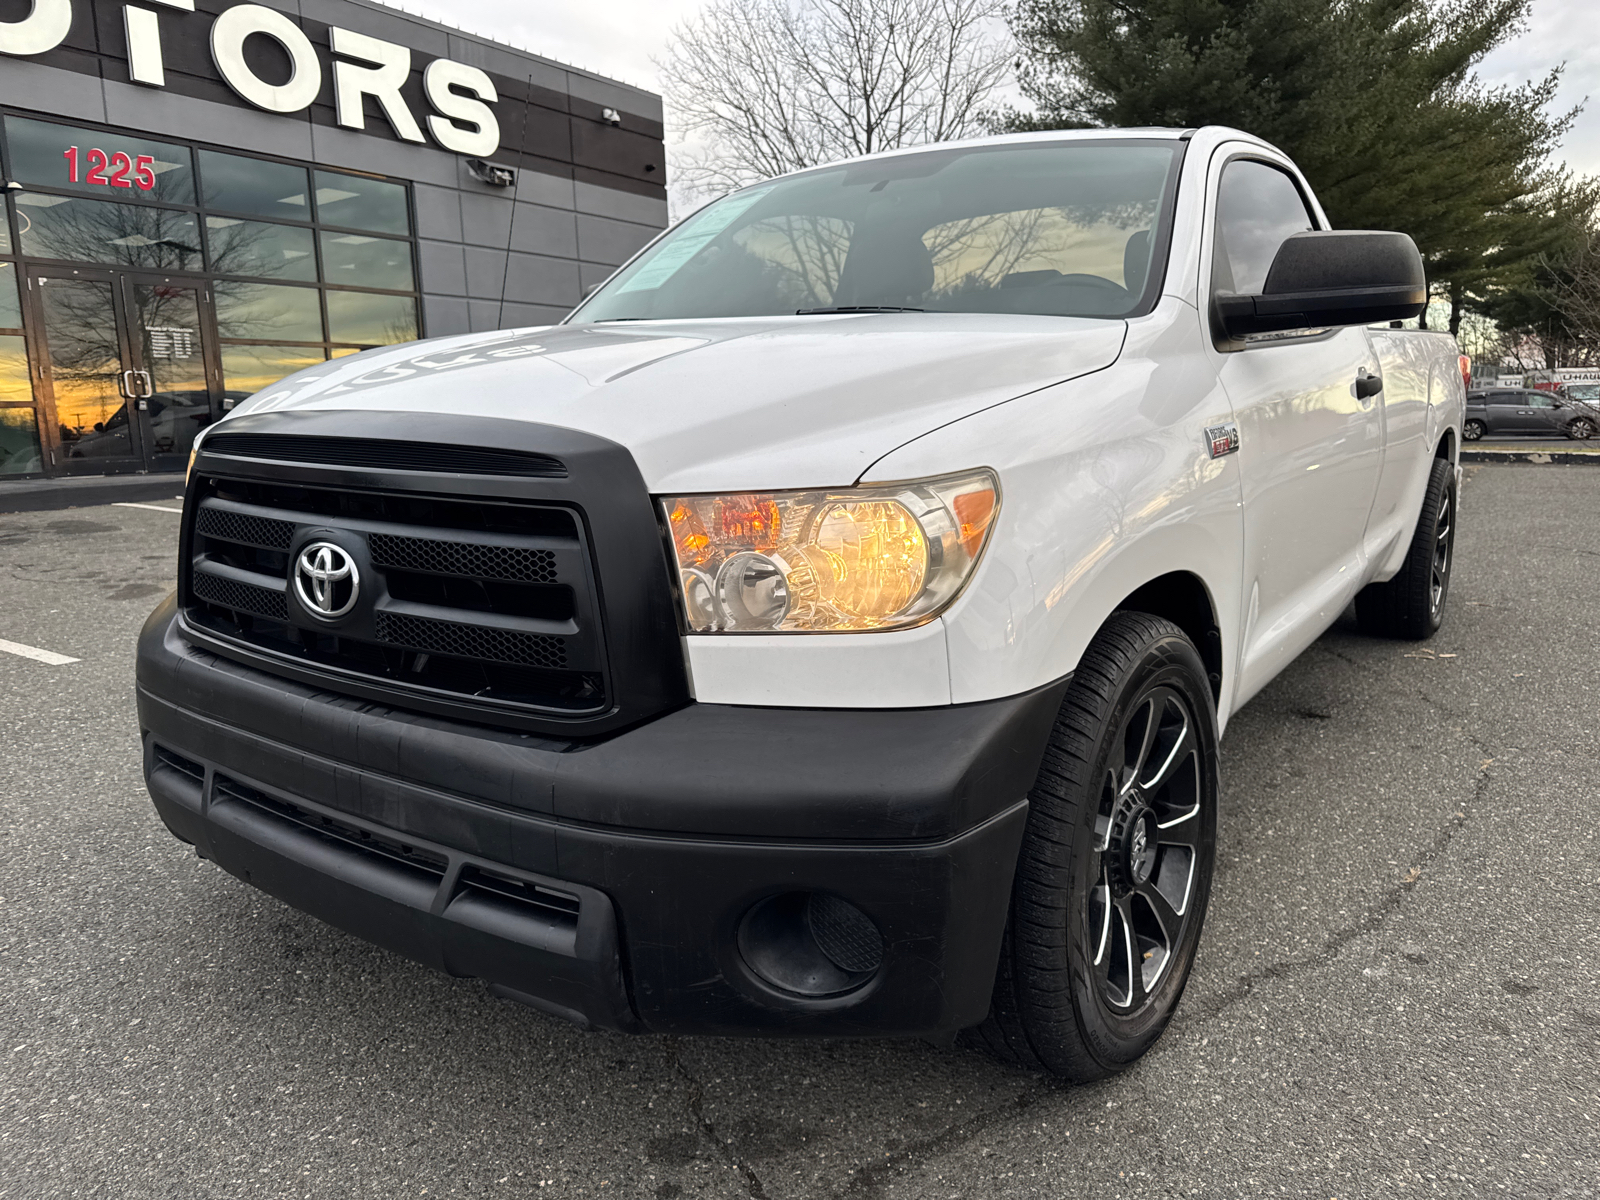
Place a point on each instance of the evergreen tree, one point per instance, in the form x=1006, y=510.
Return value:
x=1376, y=101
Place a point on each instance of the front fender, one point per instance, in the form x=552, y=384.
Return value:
x=1107, y=483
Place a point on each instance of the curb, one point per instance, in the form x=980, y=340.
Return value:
x=1539, y=457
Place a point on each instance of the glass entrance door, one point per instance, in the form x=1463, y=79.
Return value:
x=125, y=358
x=171, y=372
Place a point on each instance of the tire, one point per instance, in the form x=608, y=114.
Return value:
x=1581, y=429
x=1110, y=837
x=1472, y=431
x=1411, y=605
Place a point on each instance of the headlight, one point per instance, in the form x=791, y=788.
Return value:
x=880, y=557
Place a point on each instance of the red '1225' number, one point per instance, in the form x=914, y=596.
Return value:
x=121, y=164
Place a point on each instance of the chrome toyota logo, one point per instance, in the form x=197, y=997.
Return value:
x=326, y=580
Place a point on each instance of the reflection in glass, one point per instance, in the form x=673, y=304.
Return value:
x=369, y=319
x=10, y=303
x=19, y=442
x=248, y=369
x=5, y=230
x=40, y=155
x=15, y=385
x=257, y=248
x=267, y=312
x=361, y=203
x=125, y=235
x=85, y=363
x=363, y=261
x=167, y=324
x=250, y=185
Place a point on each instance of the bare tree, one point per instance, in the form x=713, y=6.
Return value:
x=1573, y=289
x=761, y=87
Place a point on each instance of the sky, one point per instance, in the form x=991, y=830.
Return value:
x=619, y=38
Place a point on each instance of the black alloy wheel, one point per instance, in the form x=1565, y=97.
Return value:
x=1472, y=431
x=1114, y=874
x=1411, y=605
x=1580, y=429
x=1149, y=829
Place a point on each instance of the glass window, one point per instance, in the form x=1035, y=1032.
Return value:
x=100, y=163
x=267, y=312
x=1257, y=208
x=124, y=235
x=369, y=319
x=19, y=442
x=15, y=385
x=10, y=298
x=252, y=185
x=257, y=248
x=359, y=203
x=363, y=261
x=1053, y=228
x=248, y=369
x=5, y=229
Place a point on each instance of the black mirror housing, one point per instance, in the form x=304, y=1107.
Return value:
x=1325, y=278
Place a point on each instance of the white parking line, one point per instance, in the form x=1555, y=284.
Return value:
x=151, y=507
x=49, y=657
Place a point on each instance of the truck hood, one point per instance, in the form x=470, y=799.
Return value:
x=782, y=402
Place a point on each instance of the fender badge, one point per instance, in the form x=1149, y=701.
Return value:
x=1223, y=439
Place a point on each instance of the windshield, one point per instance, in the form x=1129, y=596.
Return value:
x=1054, y=228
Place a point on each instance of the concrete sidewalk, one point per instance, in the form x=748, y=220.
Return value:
x=48, y=495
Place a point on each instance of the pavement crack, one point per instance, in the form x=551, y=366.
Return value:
x=870, y=1179
x=1374, y=916
x=708, y=1128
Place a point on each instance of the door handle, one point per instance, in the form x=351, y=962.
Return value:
x=1367, y=384
x=147, y=385
x=125, y=385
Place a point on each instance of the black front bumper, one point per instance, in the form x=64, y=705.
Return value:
x=605, y=881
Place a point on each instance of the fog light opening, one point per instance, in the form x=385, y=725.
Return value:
x=810, y=944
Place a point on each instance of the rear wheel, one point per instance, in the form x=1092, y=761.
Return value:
x=1115, y=868
x=1472, y=431
x=1581, y=429
x=1411, y=605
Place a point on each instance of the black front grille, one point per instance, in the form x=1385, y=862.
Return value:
x=476, y=561
x=473, y=641
x=177, y=762
x=242, y=597
x=247, y=531
x=488, y=601
x=382, y=454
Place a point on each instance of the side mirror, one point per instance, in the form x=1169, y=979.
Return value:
x=1343, y=277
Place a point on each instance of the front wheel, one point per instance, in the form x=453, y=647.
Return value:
x=1411, y=605
x=1581, y=429
x=1115, y=868
x=1472, y=431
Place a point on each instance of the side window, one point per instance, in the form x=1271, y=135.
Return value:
x=1541, y=400
x=1502, y=397
x=1258, y=206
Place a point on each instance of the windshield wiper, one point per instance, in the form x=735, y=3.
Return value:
x=856, y=308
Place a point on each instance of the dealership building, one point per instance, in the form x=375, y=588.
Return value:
x=201, y=197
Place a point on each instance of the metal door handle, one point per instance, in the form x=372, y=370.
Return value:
x=126, y=386
x=148, y=384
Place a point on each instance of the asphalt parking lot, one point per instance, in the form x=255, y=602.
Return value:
x=1398, y=992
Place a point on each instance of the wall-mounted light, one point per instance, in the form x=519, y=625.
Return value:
x=611, y=116
x=491, y=173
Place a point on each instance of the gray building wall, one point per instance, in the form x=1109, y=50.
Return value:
x=588, y=193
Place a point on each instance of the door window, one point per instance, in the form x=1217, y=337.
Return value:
x=1258, y=206
x=177, y=403
x=1541, y=400
x=85, y=366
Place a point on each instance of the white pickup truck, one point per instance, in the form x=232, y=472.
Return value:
x=829, y=627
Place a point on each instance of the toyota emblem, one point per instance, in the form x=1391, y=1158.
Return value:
x=326, y=580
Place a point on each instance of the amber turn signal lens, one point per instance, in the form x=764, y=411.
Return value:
x=856, y=559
